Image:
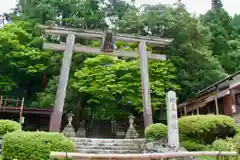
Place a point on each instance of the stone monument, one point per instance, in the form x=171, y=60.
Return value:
x=172, y=120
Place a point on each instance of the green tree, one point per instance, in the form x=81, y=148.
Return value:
x=71, y=13
x=130, y=23
x=22, y=59
x=196, y=67
x=115, y=84
x=236, y=23
x=220, y=25
x=115, y=9
x=203, y=51
x=189, y=51
x=224, y=37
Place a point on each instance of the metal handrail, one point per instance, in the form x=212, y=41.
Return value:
x=141, y=156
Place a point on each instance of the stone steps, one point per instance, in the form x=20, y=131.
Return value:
x=104, y=151
x=106, y=146
x=97, y=140
x=114, y=146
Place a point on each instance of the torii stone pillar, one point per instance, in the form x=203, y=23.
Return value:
x=146, y=96
x=56, y=117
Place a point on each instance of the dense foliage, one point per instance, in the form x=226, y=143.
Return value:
x=204, y=50
x=7, y=126
x=192, y=145
x=229, y=144
x=198, y=132
x=206, y=128
x=114, y=84
x=225, y=145
x=156, y=132
x=34, y=145
x=22, y=60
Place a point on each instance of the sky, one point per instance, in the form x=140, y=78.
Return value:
x=193, y=6
x=199, y=6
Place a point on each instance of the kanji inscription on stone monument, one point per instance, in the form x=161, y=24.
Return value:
x=172, y=120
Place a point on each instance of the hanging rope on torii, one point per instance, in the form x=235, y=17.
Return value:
x=107, y=48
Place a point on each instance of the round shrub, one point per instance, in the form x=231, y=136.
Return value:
x=206, y=128
x=224, y=145
x=8, y=126
x=156, y=131
x=34, y=145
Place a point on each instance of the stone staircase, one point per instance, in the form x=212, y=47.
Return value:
x=108, y=146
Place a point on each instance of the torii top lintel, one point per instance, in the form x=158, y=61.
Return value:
x=91, y=34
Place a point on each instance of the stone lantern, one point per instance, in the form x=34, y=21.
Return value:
x=81, y=132
x=131, y=132
x=70, y=118
x=68, y=131
x=131, y=119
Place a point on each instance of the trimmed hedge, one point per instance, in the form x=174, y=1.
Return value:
x=156, y=131
x=193, y=146
x=206, y=128
x=8, y=126
x=34, y=145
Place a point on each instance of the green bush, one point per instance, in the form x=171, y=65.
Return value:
x=238, y=130
x=156, y=131
x=206, y=128
x=8, y=126
x=228, y=144
x=224, y=145
x=34, y=145
x=193, y=146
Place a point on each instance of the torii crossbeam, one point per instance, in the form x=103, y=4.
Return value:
x=71, y=47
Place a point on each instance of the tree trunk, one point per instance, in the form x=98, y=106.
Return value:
x=44, y=80
x=78, y=112
x=26, y=89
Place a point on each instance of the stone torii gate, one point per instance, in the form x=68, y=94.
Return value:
x=71, y=47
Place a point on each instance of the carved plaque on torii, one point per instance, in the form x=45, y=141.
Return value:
x=108, y=42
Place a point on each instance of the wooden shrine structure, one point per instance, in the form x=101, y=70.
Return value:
x=222, y=97
x=108, y=39
x=15, y=109
x=8, y=104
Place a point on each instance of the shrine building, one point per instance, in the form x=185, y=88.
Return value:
x=222, y=97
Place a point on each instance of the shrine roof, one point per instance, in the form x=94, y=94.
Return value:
x=214, y=86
